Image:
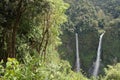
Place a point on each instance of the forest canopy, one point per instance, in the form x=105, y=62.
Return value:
x=43, y=39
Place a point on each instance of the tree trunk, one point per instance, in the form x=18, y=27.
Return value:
x=9, y=43
x=14, y=39
x=14, y=29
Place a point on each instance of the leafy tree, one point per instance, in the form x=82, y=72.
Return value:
x=31, y=24
x=112, y=72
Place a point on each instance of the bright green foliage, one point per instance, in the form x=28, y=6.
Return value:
x=34, y=69
x=42, y=30
x=112, y=73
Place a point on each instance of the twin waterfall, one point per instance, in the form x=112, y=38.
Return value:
x=77, y=55
x=97, y=63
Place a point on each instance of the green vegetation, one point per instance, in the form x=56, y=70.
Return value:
x=112, y=72
x=90, y=18
x=33, y=69
x=37, y=39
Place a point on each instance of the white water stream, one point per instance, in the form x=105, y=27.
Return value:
x=77, y=55
x=97, y=63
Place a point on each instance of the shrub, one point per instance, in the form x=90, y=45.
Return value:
x=112, y=73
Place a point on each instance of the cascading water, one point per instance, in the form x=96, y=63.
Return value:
x=77, y=55
x=97, y=63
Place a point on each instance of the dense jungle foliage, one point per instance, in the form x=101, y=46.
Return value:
x=37, y=39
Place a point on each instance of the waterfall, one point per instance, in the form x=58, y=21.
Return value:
x=97, y=63
x=77, y=55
